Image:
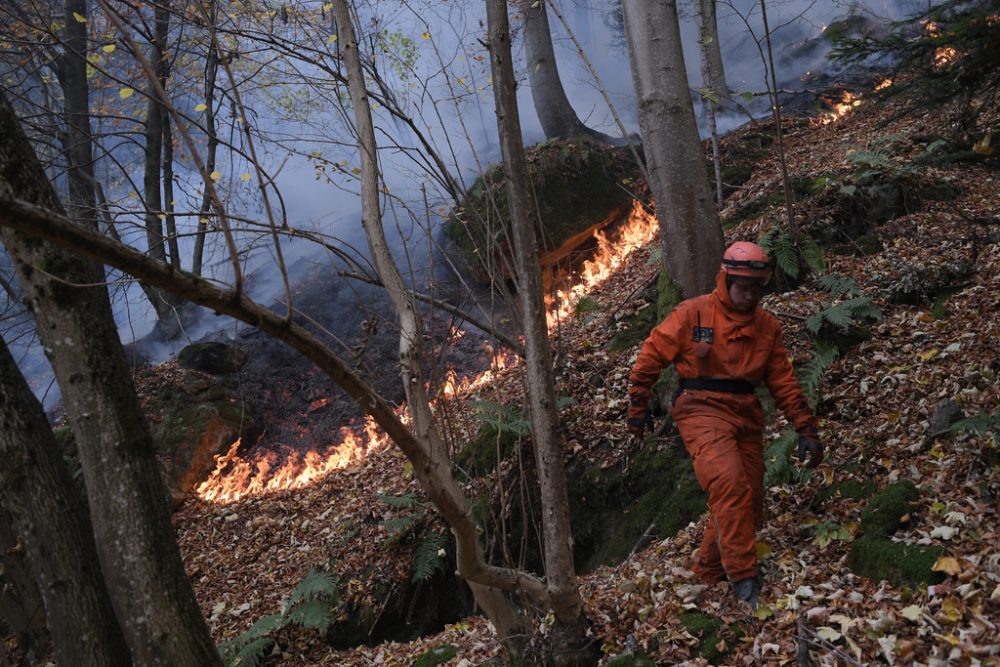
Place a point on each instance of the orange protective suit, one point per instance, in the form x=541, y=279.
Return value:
x=708, y=338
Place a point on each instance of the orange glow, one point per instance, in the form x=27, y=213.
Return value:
x=847, y=102
x=883, y=84
x=944, y=55
x=640, y=228
x=236, y=478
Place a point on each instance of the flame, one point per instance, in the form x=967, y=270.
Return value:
x=883, y=84
x=848, y=101
x=944, y=55
x=640, y=228
x=235, y=477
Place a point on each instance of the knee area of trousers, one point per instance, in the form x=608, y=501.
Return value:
x=731, y=483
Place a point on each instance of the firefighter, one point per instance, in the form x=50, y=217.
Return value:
x=723, y=347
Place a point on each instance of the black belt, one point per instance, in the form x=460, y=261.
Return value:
x=730, y=386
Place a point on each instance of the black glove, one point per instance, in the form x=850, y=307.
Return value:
x=810, y=451
x=638, y=420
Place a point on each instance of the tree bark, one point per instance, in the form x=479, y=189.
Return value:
x=433, y=451
x=212, y=147
x=560, y=575
x=555, y=113
x=51, y=517
x=690, y=233
x=22, y=611
x=713, y=72
x=136, y=544
x=77, y=135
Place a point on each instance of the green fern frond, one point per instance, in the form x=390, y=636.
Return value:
x=787, y=255
x=813, y=254
x=400, y=526
x=811, y=375
x=838, y=285
x=862, y=308
x=877, y=158
x=981, y=424
x=315, y=585
x=311, y=614
x=503, y=418
x=844, y=314
x=239, y=653
x=407, y=501
x=266, y=625
x=427, y=557
x=778, y=468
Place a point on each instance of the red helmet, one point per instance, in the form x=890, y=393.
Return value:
x=746, y=259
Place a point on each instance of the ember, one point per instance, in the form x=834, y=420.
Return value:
x=847, y=102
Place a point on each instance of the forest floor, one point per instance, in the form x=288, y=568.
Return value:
x=877, y=401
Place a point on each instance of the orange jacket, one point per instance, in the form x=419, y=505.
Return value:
x=706, y=337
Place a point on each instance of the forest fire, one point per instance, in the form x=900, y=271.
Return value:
x=848, y=101
x=236, y=478
x=640, y=228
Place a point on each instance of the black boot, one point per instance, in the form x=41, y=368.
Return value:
x=748, y=590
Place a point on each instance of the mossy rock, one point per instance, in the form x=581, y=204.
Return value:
x=708, y=630
x=879, y=558
x=883, y=514
x=213, y=357
x=649, y=496
x=849, y=488
x=577, y=184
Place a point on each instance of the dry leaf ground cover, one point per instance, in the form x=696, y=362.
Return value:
x=877, y=402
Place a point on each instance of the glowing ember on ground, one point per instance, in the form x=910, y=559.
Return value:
x=883, y=84
x=944, y=55
x=640, y=228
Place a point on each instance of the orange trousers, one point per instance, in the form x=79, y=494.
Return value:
x=729, y=465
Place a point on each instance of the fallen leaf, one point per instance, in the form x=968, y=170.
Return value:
x=913, y=612
x=947, y=564
x=827, y=633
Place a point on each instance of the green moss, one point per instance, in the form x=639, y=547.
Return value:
x=576, y=184
x=650, y=496
x=881, y=517
x=880, y=558
x=480, y=456
x=668, y=295
x=708, y=631
x=849, y=488
x=631, y=661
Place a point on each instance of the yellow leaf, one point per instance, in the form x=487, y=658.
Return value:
x=133, y=195
x=948, y=564
x=983, y=146
x=331, y=39
x=929, y=354
x=951, y=611
x=215, y=175
x=763, y=550
x=200, y=107
x=125, y=92
x=827, y=633
x=245, y=177
x=355, y=171
x=80, y=18
x=426, y=35
x=461, y=81
x=109, y=48
x=763, y=612
x=328, y=6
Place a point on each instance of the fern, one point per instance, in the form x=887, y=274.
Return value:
x=312, y=615
x=844, y=314
x=266, y=625
x=811, y=375
x=401, y=526
x=778, y=244
x=813, y=254
x=427, y=556
x=502, y=418
x=315, y=585
x=245, y=652
x=838, y=285
x=777, y=465
x=875, y=158
x=981, y=424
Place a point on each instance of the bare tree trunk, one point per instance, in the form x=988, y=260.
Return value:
x=51, y=518
x=558, y=119
x=437, y=466
x=211, y=72
x=136, y=544
x=713, y=72
x=690, y=233
x=77, y=137
x=560, y=575
x=22, y=611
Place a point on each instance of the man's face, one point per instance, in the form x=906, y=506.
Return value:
x=745, y=293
